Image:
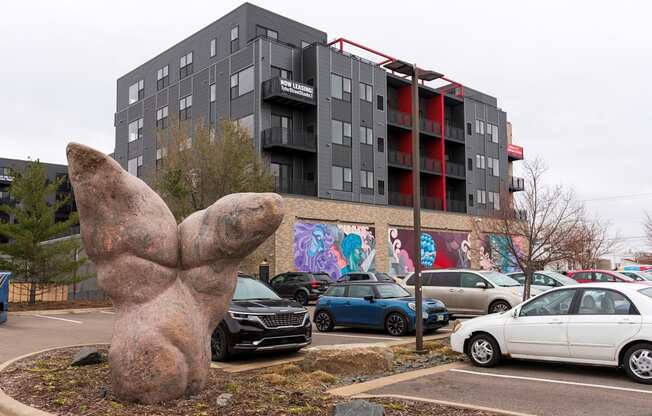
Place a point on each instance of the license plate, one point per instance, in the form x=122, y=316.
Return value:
x=440, y=317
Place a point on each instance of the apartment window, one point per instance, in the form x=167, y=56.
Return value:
x=234, y=39
x=469, y=164
x=494, y=200
x=341, y=87
x=162, y=117
x=185, y=108
x=493, y=166
x=185, y=65
x=161, y=152
x=479, y=126
x=280, y=72
x=212, y=114
x=366, y=92
x=494, y=132
x=380, y=103
x=185, y=144
x=381, y=187
x=242, y=82
x=247, y=123
x=284, y=126
x=263, y=31
x=366, y=179
x=469, y=128
x=342, y=179
x=162, y=78
x=213, y=47
x=481, y=197
x=366, y=135
x=470, y=200
x=341, y=132
x=136, y=91
x=480, y=161
x=381, y=145
x=135, y=165
x=136, y=130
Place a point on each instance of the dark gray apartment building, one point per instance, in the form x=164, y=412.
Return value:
x=331, y=124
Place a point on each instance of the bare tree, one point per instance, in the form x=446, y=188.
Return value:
x=648, y=227
x=588, y=242
x=537, y=222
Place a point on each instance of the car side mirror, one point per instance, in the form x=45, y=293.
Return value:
x=481, y=285
x=369, y=298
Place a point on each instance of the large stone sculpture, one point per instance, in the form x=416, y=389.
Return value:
x=171, y=285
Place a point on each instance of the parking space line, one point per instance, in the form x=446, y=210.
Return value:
x=59, y=319
x=546, y=380
x=355, y=336
x=107, y=312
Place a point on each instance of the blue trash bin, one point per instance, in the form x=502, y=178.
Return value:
x=4, y=295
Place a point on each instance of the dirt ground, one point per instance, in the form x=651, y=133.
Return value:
x=48, y=382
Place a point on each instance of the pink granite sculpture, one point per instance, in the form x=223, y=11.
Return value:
x=171, y=285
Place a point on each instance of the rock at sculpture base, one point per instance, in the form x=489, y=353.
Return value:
x=170, y=284
x=358, y=408
x=87, y=356
x=348, y=360
x=223, y=400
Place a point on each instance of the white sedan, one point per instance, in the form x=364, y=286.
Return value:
x=606, y=324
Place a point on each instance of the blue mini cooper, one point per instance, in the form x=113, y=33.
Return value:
x=380, y=305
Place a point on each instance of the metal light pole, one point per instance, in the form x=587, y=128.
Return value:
x=416, y=203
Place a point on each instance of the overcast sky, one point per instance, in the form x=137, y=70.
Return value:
x=573, y=76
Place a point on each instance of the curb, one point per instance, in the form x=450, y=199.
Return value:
x=61, y=311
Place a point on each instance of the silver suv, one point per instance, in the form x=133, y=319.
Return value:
x=470, y=292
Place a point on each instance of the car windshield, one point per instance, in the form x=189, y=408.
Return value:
x=322, y=277
x=500, y=279
x=251, y=289
x=383, y=277
x=391, y=291
x=623, y=277
x=565, y=280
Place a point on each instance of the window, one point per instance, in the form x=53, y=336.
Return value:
x=469, y=164
x=366, y=92
x=381, y=187
x=242, y=82
x=470, y=200
x=604, y=302
x=135, y=165
x=335, y=291
x=161, y=152
x=247, y=123
x=480, y=161
x=212, y=113
x=550, y=304
x=213, y=47
x=136, y=91
x=360, y=291
x=162, y=117
x=469, y=129
x=494, y=166
x=367, y=179
x=341, y=132
x=185, y=144
x=494, y=198
x=342, y=179
x=381, y=145
x=263, y=31
x=341, y=87
x=380, y=103
x=493, y=132
x=366, y=135
x=234, y=39
x=162, y=78
x=136, y=130
x=469, y=280
x=479, y=126
x=185, y=108
x=280, y=72
x=481, y=197
x=185, y=65
x=442, y=279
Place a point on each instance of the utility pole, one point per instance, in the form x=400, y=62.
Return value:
x=416, y=203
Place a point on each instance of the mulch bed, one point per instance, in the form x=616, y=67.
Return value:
x=46, y=381
x=73, y=304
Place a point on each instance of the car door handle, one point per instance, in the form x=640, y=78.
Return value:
x=451, y=290
x=626, y=322
x=555, y=322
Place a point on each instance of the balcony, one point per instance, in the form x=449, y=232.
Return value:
x=455, y=169
x=516, y=184
x=397, y=198
x=294, y=186
x=399, y=118
x=282, y=138
x=399, y=159
x=429, y=127
x=514, y=152
x=454, y=133
x=520, y=214
x=431, y=165
x=287, y=92
x=429, y=202
x=455, y=205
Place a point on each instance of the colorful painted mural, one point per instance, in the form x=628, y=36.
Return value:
x=496, y=255
x=439, y=249
x=334, y=248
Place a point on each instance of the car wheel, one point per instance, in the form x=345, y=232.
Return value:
x=301, y=297
x=324, y=322
x=638, y=363
x=220, y=345
x=499, y=306
x=396, y=324
x=484, y=351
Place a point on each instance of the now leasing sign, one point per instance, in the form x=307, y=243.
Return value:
x=296, y=88
x=515, y=151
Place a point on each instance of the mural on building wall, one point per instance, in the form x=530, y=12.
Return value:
x=439, y=249
x=496, y=255
x=334, y=248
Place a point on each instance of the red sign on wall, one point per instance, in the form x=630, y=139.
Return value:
x=514, y=151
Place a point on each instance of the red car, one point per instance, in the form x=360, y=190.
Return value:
x=591, y=276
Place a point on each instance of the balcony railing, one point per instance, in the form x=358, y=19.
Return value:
x=516, y=184
x=281, y=137
x=455, y=169
x=397, y=198
x=454, y=133
x=431, y=165
x=429, y=202
x=398, y=158
x=287, y=92
x=399, y=118
x=455, y=205
x=429, y=126
x=295, y=186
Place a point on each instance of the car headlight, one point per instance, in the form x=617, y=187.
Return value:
x=516, y=292
x=412, y=306
x=239, y=315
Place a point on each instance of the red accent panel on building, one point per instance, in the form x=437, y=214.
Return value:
x=514, y=152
